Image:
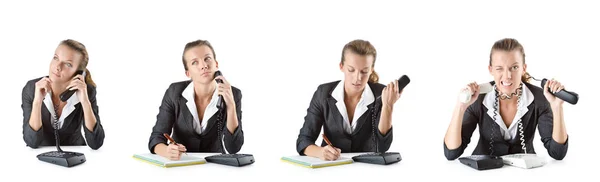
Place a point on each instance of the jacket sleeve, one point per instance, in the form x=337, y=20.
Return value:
x=313, y=121
x=385, y=141
x=469, y=123
x=164, y=121
x=545, y=124
x=94, y=139
x=234, y=141
x=31, y=137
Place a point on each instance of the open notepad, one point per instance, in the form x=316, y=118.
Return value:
x=313, y=162
x=185, y=160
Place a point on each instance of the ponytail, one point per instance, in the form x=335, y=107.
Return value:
x=374, y=77
x=88, y=78
x=525, y=78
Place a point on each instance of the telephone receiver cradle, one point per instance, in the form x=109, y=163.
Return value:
x=68, y=93
x=382, y=158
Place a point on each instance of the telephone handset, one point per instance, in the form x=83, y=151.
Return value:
x=567, y=96
x=378, y=157
x=466, y=95
x=237, y=160
x=68, y=93
x=221, y=102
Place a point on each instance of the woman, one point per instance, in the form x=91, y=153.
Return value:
x=43, y=110
x=345, y=108
x=189, y=109
x=513, y=107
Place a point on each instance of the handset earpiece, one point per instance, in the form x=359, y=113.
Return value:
x=68, y=93
x=466, y=95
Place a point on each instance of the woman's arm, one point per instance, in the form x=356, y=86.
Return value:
x=463, y=123
x=32, y=111
x=234, y=135
x=313, y=121
x=551, y=123
x=94, y=132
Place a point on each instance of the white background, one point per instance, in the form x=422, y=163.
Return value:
x=277, y=53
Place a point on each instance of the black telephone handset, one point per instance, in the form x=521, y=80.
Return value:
x=223, y=158
x=221, y=102
x=378, y=157
x=567, y=96
x=68, y=93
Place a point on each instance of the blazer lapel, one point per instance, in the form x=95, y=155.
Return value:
x=212, y=121
x=364, y=119
x=336, y=115
x=186, y=114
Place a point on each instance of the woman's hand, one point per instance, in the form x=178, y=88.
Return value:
x=329, y=153
x=78, y=83
x=41, y=88
x=390, y=94
x=224, y=89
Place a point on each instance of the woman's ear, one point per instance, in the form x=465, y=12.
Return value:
x=187, y=73
x=524, y=68
x=341, y=67
x=217, y=64
x=490, y=69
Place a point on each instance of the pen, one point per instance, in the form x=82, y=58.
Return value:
x=327, y=140
x=172, y=141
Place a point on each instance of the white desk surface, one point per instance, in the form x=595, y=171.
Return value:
x=102, y=165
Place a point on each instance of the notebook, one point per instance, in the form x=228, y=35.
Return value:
x=313, y=162
x=154, y=159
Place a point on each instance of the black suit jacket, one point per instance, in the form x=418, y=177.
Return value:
x=175, y=116
x=539, y=115
x=323, y=112
x=70, y=132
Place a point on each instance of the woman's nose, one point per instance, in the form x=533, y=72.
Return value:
x=358, y=77
x=57, y=67
x=508, y=74
x=204, y=65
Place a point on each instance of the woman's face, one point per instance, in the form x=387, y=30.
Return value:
x=201, y=64
x=356, y=69
x=64, y=64
x=507, y=69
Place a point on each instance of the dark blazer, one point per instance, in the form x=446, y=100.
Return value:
x=539, y=115
x=175, y=116
x=323, y=111
x=70, y=132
